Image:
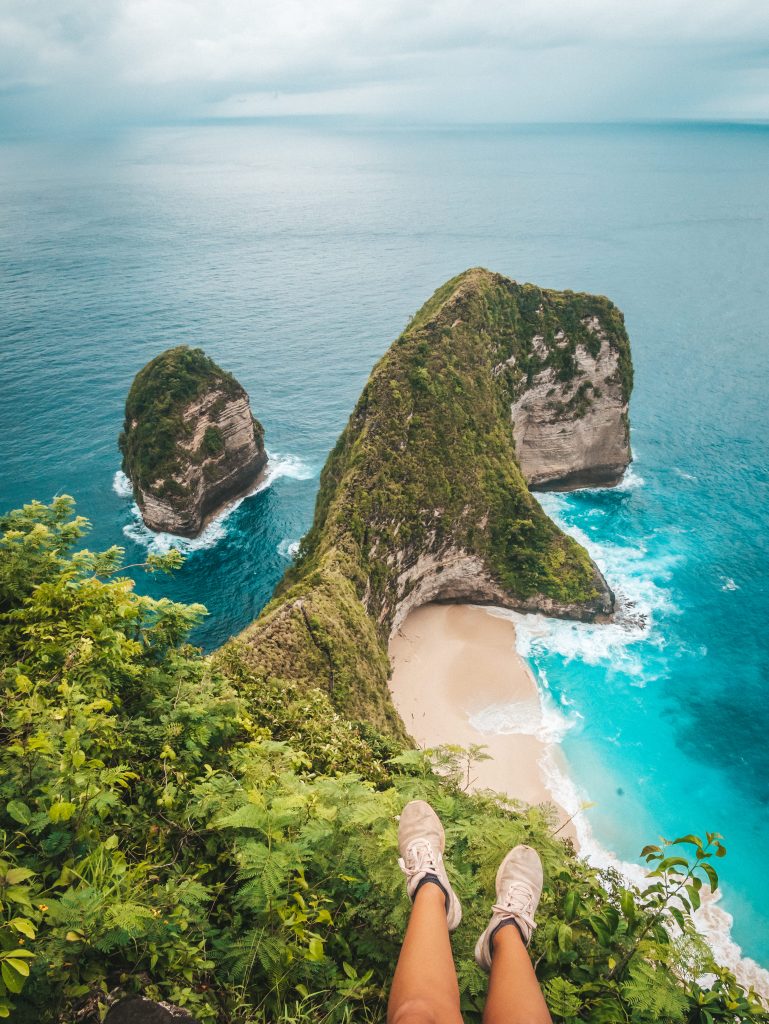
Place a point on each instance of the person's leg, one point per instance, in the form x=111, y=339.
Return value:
x=514, y=993
x=424, y=988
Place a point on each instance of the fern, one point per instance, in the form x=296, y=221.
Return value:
x=562, y=998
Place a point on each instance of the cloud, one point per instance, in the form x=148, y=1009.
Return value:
x=442, y=59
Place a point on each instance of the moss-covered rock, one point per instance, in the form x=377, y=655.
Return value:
x=422, y=498
x=190, y=443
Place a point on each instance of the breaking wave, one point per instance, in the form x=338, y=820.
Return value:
x=638, y=576
x=278, y=466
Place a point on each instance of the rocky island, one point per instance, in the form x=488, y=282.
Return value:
x=425, y=496
x=190, y=443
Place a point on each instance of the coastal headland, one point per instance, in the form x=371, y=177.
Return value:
x=423, y=498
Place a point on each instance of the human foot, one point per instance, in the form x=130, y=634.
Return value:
x=519, y=886
x=421, y=841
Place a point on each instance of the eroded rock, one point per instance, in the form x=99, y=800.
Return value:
x=190, y=443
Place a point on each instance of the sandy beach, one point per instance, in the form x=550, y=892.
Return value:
x=455, y=668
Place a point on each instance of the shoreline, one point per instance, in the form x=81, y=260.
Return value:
x=455, y=674
x=456, y=678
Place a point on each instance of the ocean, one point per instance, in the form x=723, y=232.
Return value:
x=295, y=252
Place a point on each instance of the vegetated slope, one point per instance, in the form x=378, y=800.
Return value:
x=423, y=498
x=167, y=833
x=190, y=443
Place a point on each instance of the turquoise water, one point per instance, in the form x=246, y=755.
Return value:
x=295, y=254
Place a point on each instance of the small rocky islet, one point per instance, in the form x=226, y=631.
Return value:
x=190, y=442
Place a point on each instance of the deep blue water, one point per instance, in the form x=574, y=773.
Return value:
x=295, y=254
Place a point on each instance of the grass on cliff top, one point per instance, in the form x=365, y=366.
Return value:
x=159, y=394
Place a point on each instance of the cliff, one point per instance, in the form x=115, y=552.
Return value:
x=571, y=383
x=423, y=497
x=190, y=443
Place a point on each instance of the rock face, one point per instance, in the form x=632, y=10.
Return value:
x=190, y=443
x=454, y=575
x=574, y=432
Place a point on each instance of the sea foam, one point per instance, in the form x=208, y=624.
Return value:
x=278, y=466
x=711, y=920
x=288, y=548
x=638, y=581
x=122, y=486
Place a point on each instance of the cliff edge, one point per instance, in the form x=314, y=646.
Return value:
x=190, y=443
x=570, y=376
x=423, y=497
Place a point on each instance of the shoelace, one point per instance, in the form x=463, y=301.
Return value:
x=419, y=857
x=518, y=902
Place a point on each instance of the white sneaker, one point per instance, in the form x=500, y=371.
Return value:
x=519, y=886
x=421, y=841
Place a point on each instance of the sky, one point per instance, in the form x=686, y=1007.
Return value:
x=82, y=62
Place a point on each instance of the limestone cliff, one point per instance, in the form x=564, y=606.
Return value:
x=423, y=498
x=190, y=443
x=571, y=393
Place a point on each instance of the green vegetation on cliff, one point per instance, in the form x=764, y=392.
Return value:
x=168, y=826
x=425, y=468
x=153, y=415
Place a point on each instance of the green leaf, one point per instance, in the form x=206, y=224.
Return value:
x=16, y=875
x=350, y=971
x=20, y=966
x=601, y=931
x=564, y=938
x=678, y=917
x=22, y=925
x=13, y=980
x=649, y=849
x=712, y=874
x=61, y=811
x=315, y=949
x=627, y=903
x=570, y=905
x=19, y=811
x=670, y=863
x=689, y=838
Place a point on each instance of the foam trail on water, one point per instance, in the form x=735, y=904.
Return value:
x=278, y=466
x=712, y=921
x=541, y=718
x=121, y=485
x=288, y=548
x=638, y=580
x=630, y=481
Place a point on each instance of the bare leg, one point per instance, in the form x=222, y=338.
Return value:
x=514, y=993
x=425, y=989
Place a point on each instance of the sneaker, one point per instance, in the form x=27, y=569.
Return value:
x=519, y=886
x=421, y=841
